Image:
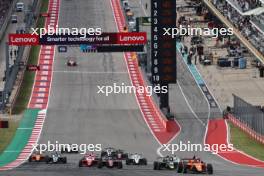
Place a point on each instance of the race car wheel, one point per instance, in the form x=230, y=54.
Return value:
x=125, y=156
x=29, y=159
x=209, y=169
x=48, y=160
x=180, y=168
x=119, y=165
x=100, y=165
x=64, y=160
x=127, y=161
x=80, y=164
x=145, y=162
x=185, y=168
x=156, y=166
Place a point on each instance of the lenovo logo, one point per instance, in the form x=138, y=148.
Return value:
x=23, y=39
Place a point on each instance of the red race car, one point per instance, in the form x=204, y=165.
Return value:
x=71, y=62
x=89, y=160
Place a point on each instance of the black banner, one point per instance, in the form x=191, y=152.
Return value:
x=120, y=48
x=163, y=48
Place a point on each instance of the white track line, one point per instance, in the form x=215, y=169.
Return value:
x=87, y=72
x=190, y=107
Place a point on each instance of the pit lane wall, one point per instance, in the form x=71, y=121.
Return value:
x=162, y=129
x=258, y=137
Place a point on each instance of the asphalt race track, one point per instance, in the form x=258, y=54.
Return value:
x=77, y=114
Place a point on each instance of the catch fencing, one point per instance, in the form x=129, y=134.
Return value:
x=251, y=116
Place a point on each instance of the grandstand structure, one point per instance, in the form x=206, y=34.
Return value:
x=247, y=16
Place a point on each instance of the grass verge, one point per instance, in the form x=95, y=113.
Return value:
x=7, y=134
x=245, y=143
x=28, y=81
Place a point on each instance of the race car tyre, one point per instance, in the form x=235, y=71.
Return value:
x=185, y=168
x=100, y=165
x=29, y=159
x=156, y=166
x=180, y=168
x=119, y=165
x=176, y=165
x=64, y=160
x=48, y=160
x=145, y=162
x=209, y=169
x=125, y=156
x=128, y=162
x=80, y=163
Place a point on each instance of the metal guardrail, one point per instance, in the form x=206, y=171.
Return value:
x=237, y=33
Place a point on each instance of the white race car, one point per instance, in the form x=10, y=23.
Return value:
x=136, y=159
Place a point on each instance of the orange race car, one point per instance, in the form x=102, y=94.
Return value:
x=37, y=157
x=196, y=165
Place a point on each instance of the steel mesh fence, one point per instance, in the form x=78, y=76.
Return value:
x=252, y=116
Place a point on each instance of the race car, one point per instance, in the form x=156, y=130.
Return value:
x=71, y=62
x=118, y=154
x=136, y=159
x=196, y=165
x=108, y=152
x=37, y=157
x=121, y=155
x=56, y=158
x=168, y=162
x=89, y=160
x=69, y=148
x=110, y=162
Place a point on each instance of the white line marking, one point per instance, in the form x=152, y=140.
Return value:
x=87, y=72
x=190, y=107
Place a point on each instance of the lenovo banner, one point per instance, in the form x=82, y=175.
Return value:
x=23, y=39
x=129, y=38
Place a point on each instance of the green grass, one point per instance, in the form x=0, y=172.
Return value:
x=7, y=134
x=245, y=143
x=28, y=81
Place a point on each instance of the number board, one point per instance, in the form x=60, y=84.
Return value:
x=163, y=48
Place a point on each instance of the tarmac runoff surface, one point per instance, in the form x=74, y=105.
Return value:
x=73, y=101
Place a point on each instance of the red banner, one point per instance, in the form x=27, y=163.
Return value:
x=132, y=38
x=23, y=39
